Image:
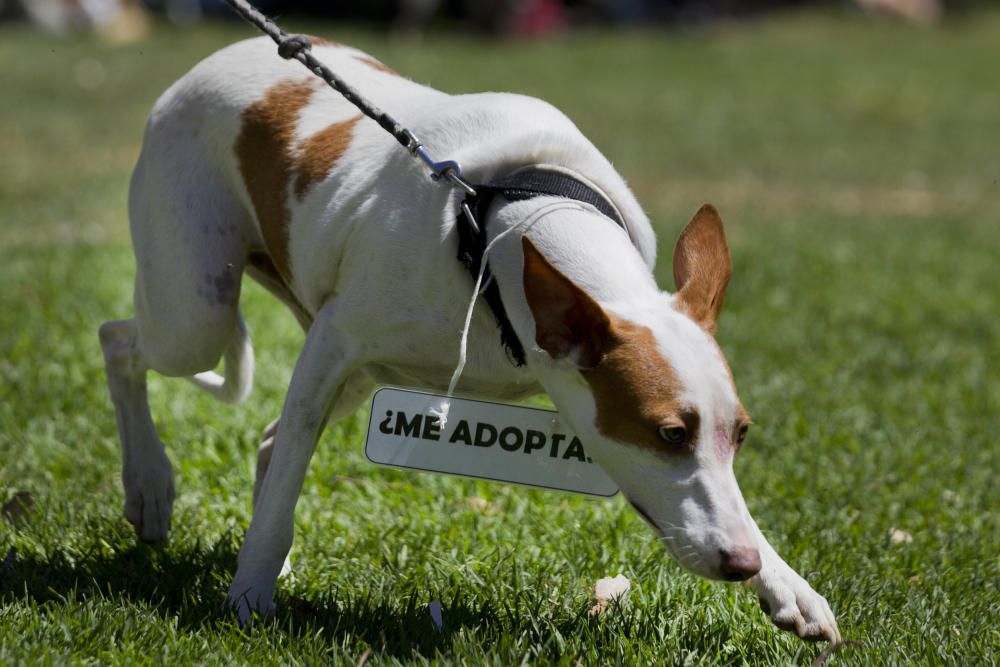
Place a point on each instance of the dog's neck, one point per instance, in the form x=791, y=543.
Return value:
x=584, y=245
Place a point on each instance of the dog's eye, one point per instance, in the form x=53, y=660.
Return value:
x=673, y=435
x=741, y=435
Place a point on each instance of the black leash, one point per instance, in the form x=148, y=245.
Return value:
x=298, y=47
x=472, y=239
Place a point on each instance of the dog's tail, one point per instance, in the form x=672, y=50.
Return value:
x=238, y=380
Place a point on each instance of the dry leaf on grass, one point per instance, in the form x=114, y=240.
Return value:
x=897, y=536
x=606, y=591
x=481, y=505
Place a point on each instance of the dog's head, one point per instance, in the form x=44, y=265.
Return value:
x=649, y=391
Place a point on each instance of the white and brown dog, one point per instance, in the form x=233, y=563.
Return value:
x=250, y=163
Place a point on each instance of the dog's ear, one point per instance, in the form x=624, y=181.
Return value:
x=568, y=323
x=702, y=267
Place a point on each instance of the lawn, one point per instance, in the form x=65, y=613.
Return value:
x=857, y=165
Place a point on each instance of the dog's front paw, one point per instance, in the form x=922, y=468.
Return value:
x=149, y=498
x=793, y=605
x=249, y=602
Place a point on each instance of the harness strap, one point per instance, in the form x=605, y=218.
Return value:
x=472, y=239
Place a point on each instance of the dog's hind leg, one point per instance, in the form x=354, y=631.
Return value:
x=237, y=382
x=147, y=475
x=190, y=251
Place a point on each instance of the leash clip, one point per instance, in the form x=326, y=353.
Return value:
x=449, y=170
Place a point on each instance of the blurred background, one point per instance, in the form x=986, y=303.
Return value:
x=847, y=106
x=128, y=19
x=853, y=149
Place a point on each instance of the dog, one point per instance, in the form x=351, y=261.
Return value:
x=250, y=164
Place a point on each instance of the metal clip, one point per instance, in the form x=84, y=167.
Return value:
x=471, y=218
x=450, y=170
x=414, y=142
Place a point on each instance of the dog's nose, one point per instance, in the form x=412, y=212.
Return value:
x=739, y=563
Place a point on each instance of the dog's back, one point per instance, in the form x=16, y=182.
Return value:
x=290, y=165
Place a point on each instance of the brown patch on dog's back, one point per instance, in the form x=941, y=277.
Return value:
x=322, y=41
x=270, y=160
x=374, y=64
x=264, y=153
x=320, y=152
x=634, y=387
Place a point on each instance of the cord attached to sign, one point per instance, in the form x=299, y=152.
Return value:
x=441, y=413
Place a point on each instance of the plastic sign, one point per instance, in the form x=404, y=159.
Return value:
x=496, y=441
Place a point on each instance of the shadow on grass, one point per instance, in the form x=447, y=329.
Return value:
x=189, y=584
x=183, y=582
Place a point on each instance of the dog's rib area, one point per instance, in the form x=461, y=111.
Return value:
x=263, y=151
x=270, y=160
x=262, y=269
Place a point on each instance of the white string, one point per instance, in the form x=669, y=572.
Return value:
x=442, y=412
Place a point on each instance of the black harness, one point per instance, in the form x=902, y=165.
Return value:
x=524, y=184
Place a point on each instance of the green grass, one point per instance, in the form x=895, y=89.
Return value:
x=858, y=167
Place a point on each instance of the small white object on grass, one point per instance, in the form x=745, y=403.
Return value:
x=606, y=591
x=481, y=505
x=435, y=611
x=897, y=536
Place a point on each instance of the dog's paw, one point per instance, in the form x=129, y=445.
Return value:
x=793, y=605
x=149, y=499
x=250, y=603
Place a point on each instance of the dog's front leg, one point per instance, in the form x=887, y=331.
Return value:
x=788, y=599
x=326, y=361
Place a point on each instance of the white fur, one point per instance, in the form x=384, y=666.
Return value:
x=372, y=252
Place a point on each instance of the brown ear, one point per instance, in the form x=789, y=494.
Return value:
x=568, y=323
x=702, y=267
